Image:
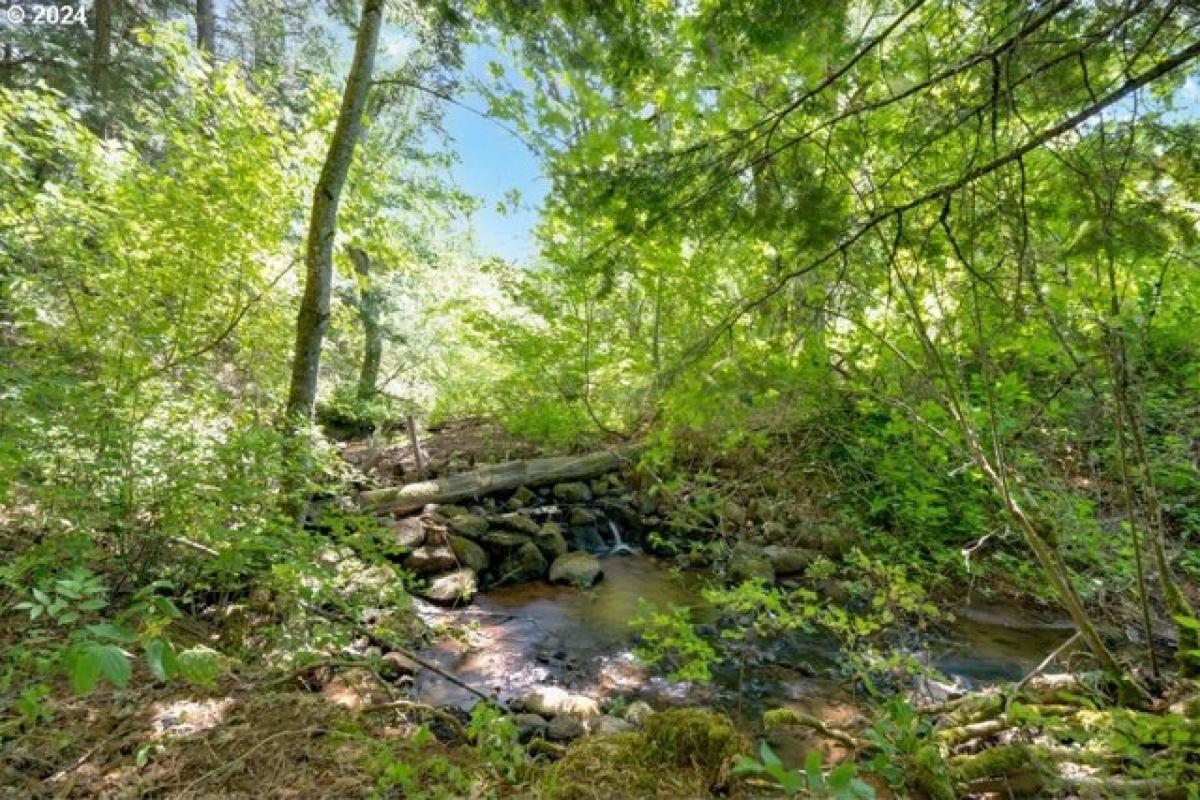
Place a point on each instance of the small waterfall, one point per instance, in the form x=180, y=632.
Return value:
x=619, y=547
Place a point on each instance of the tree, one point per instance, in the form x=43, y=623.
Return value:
x=369, y=299
x=313, y=318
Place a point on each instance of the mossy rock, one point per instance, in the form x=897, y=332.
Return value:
x=693, y=737
x=617, y=767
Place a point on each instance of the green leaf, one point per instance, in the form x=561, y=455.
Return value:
x=106, y=630
x=114, y=664
x=768, y=755
x=812, y=768
x=161, y=658
x=747, y=766
x=200, y=665
x=84, y=673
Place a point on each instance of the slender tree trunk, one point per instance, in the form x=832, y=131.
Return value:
x=98, y=70
x=1048, y=559
x=206, y=27
x=322, y=227
x=368, y=312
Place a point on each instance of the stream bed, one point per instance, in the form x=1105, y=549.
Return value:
x=516, y=638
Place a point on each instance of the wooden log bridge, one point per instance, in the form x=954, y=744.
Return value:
x=494, y=478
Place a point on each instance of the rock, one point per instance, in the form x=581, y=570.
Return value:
x=470, y=525
x=608, y=726
x=588, y=539
x=646, y=504
x=453, y=588
x=431, y=559
x=734, y=514
x=581, y=516
x=599, y=486
x=529, y=726
x=408, y=533
x=514, y=521
x=446, y=512
x=773, y=531
x=578, y=569
x=526, y=564
x=521, y=498
x=396, y=665
x=564, y=728
x=638, y=712
x=551, y=701
x=789, y=560
x=834, y=590
x=550, y=541
x=504, y=541
x=572, y=492
x=621, y=512
x=748, y=562
x=469, y=554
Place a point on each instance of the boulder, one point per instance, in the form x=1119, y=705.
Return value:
x=564, y=728
x=789, y=560
x=550, y=541
x=470, y=525
x=453, y=588
x=638, y=712
x=599, y=486
x=407, y=533
x=431, y=559
x=469, y=554
x=551, y=701
x=514, y=521
x=578, y=569
x=505, y=541
x=572, y=492
x=525, y=564
x=608, y=726
x=521, y=498
x=622, y=512
x=529, y=726
x=748, y=562
x=581, y=517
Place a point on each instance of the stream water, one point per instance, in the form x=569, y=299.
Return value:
x=518, y=637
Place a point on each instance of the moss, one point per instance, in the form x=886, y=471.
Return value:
x=692, y=737
x=927, y=772
x=779, y=717
x=618, y=766
x=681, y=753
x=1006, y=759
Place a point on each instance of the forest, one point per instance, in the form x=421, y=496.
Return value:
x=600, y=399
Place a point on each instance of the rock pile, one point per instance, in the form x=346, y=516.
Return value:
x=553, y=532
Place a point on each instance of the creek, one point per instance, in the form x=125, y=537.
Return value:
x=515, y=638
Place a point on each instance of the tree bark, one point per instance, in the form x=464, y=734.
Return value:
x=313, y=318
x=206, y=27
x=368, y=311
x=101, y=56
x=493, y=478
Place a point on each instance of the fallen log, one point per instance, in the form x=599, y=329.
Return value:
x=493, y=478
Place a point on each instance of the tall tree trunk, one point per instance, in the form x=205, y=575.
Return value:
x=98, y=70
x=368, y=312
x=206, y=27
x=322, y=227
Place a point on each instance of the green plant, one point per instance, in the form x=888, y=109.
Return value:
x=840, y=783
x=496, y=740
